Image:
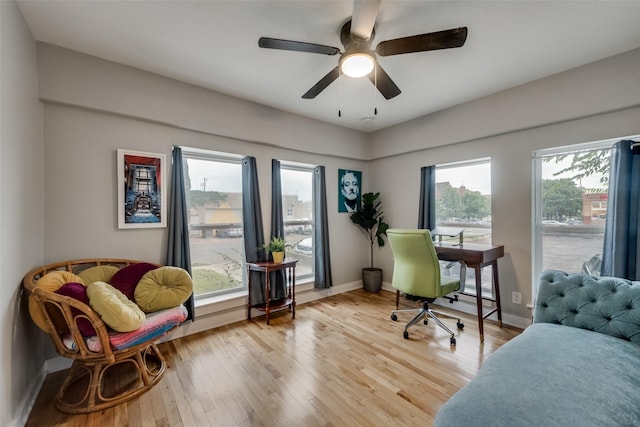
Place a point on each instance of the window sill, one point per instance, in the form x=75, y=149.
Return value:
x=218, y=303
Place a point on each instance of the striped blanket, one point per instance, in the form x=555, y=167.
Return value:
x=155, y=326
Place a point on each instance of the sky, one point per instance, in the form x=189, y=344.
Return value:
x=227, y=178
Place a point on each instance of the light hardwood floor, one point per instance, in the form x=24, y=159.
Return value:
x=341, y=362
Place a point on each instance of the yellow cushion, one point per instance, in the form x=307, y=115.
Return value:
x=51, y=282
x=164, y=287
x=115, y=309
x=99, y=273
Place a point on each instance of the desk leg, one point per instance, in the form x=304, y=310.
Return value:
x=478, y=272
x=496, y=290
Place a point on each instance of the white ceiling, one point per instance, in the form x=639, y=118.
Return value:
x=214, y=44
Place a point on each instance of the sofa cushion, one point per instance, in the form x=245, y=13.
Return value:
x=51, y=282
x=115, y=309
x=163, y=288
x=127, y=278
x=552, y=375
x=78, y=291
x=98, y=273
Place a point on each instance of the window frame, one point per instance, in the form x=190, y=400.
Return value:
x=301, y=167
x=190, y=153
x=537, y=256
x=469, y=288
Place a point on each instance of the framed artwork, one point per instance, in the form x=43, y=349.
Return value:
x=141, y=191
x=349, y=190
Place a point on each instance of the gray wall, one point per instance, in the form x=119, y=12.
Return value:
x=591, y=103
x=93, y=107
x=22, y=346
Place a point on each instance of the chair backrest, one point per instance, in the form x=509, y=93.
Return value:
x=416, y=270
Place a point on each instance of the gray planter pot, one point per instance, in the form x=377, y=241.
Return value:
x=372, y=279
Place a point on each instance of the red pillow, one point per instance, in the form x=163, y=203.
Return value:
x=78, y=291
x=126, y=279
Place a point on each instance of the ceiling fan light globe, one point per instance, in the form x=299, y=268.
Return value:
x=357, y=65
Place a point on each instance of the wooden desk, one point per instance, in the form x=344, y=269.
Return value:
x=477, y=256
x=289, y=301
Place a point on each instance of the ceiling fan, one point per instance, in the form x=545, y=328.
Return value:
x=358, y=59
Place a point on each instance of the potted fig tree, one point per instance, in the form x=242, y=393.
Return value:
x=369, y=218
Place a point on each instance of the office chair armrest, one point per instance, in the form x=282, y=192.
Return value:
x=463, y=270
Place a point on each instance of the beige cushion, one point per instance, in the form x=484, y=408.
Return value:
x=164, y=287
x=99, y=273
x=115, y=309
x=51, y=282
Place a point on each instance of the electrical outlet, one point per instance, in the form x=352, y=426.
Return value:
x=516, y=297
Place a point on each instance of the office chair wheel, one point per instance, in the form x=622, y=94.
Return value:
x=406, y=335
x=460, y=325
x=425, y=321
x=452, y=340
x=394, y=317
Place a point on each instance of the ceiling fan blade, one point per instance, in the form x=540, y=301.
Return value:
x=423, y=42
x=364, y=17
x=383, y=82
x=270, y=43
x=322, y=84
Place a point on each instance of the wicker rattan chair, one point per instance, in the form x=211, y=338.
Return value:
x=97, y=379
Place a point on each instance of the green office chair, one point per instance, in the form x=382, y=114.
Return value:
x=417, y=273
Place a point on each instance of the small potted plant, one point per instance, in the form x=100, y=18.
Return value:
x=370, y=218
x=276, y=246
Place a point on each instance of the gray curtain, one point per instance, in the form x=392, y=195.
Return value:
x=252, y=223
x=321, y=231
x=277, y=228
x=178, y=251
x=427, y=208
x=621, y=251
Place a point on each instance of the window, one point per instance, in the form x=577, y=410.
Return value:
x=214, y=204
x=571, y=190
x=297, y=206
x=463, y=204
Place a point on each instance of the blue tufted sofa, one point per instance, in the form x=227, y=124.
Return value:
x=578, y=364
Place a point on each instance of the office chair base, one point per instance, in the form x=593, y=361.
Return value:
x=424, y=313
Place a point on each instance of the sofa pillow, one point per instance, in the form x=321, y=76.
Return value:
x=126, y=279
x=164, y=287
x=99, y=273
x=51, y=282
x=78, y=291
x=115, y=309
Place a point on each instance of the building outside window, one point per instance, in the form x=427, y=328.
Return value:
x=214, y=204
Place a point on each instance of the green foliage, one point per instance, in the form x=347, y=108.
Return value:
x=276, y=244
x=586, y=163
x=561, y=198
x=369, y=217
x=469, y=204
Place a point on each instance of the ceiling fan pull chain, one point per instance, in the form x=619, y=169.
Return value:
x=339, y=93
x=375, y=89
